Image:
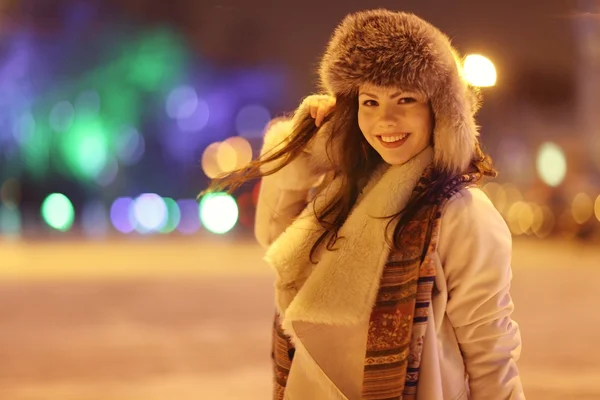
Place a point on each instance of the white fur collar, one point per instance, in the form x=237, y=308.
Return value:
x=341, y=288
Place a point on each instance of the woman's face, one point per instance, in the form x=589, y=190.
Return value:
x=397, y=123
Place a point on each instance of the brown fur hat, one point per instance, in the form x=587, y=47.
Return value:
x=387, y=48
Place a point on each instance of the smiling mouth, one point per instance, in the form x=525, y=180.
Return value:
x=393, y=138
x=391, y=141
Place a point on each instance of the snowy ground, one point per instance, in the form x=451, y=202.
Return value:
x=139, y=320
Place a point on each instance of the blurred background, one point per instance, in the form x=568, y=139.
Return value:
x=117, y=283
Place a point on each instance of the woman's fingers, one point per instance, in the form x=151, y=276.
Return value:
x=325, y=108
x=320, y=106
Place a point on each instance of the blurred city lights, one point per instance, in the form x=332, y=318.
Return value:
x=210, y=165
x=551, y=164
x=190, y=220
x=88, y=102
x=109, y=173
x=61, y=116
x=218, y=212
x=251, y=120
x=150, y=212
x=130, y=146
x=226, y=157
x=512, y=192
x=173, y=215
x=155, y=61
x=58, y=212
x=121, y=215
x=24, y=128
x=182, y=102
x=479, y=71
x=197, y=120
x=85, y=146
x=94, y=219
x=497, y=195
x=520, y=218
x=242, y=151
x=543, y=222
x=10, y=221
x=582, y=208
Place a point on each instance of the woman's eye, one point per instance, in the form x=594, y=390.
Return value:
x=407, y=100
x=370, y=103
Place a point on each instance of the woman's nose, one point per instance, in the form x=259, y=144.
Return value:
x=387, y=119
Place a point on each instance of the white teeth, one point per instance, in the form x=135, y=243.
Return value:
x=391, y=139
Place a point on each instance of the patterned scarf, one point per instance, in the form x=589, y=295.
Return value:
x=399, y=315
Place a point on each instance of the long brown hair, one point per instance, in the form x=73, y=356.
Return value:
x=353, y=165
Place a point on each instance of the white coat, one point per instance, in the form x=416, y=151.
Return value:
x=472, y=344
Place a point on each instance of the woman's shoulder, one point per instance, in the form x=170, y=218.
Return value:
x=470, y=210
x=473, y=238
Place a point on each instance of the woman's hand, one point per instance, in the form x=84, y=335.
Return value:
x=319, y=106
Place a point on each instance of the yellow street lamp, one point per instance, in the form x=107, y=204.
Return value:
x=479, y=71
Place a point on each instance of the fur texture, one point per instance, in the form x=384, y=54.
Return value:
x=388, y=48
x=330, y=294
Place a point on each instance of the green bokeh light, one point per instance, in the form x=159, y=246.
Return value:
x=218, y=212
x=58, y=212
x=155, y=60
x=143, y=67
x=173, y=216
x=85, y=147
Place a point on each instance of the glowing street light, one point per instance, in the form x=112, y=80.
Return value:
x=479, y=71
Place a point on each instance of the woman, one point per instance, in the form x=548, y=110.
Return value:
x=392, y=267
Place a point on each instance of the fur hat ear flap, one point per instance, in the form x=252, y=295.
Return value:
x=455, y=132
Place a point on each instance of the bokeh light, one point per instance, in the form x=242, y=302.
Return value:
x=227, y=160
x=497, y=195
x=597, y=208
x=173, y=215
x=242, y=149
x=197, y=120
x=218, y=212
x=551, y=164
x=150, y=212
x=543, y=222
x=582, y=208
x=479, y=71
x=85, y=146
x=182, y=102
x=121, y=215
x=190, y=220
x=251, y=120
x=520, y=218
x=58, y=212
x=210, y=164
